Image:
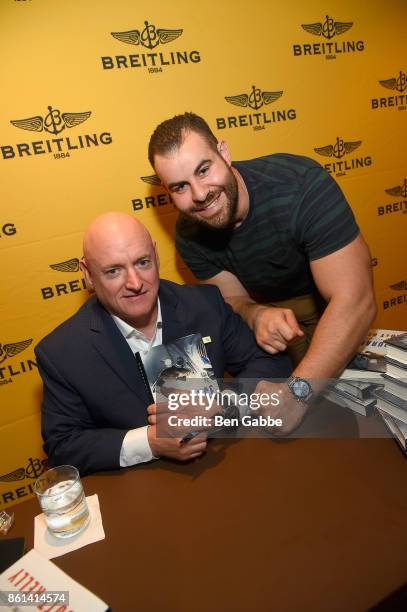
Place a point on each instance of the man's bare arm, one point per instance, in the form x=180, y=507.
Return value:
x=274, y=327
x=344, y=279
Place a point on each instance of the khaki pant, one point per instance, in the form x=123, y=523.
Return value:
x=307, y=312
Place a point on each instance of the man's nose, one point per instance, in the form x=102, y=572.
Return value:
x=133, y=280
x=199, y=192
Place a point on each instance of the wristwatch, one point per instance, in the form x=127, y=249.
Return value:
x=300, y=389
x=230, y=411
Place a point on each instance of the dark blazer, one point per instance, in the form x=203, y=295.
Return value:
x=93, y=391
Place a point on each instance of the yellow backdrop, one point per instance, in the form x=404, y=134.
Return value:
x=85, y=83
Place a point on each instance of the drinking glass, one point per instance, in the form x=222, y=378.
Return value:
x=62, y=499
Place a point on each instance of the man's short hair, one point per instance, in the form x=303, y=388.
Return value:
x=169, y=135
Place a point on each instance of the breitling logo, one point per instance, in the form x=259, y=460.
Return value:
x=400, y=286
x=255, y=99
x=155, y=199
x=400, y=190
x=153, y=179
x=149, y=37
x=398, y=300
x=397, y=84
x=338, y=151
x=70, y=265
x=13, y=348
x=33, y=469
x=54, y=122
x=328, y=29
x=66, y=288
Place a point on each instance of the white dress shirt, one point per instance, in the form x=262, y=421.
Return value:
x=135, y=447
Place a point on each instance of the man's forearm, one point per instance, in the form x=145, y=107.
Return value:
x=246, y=307
x=341, y=329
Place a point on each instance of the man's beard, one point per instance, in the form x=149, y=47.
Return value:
x=225, y=217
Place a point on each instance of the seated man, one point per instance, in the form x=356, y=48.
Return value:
x=94, y=410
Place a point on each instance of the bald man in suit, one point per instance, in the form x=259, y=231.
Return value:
x=94, y=410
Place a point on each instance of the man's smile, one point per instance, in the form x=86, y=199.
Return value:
x=208, y=209
x=135, y=295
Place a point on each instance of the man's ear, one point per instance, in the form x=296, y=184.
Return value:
x=223, y=151
x=86, y=273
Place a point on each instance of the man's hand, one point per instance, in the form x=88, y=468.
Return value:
x=172, y=447
x=289, y=410
x=275, y=328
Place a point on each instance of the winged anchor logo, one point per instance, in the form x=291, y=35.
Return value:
x=400, y=190
x=13, y=348
x=34, y=468
x=328, y=29
x=153, y=179
x=54, y=121
x=399, y=83
x=256, y=99
x=339, y=149
x=401, y=286
x=149, y=37
x=70, y=265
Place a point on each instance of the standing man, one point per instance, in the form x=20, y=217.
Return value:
x=278, y=238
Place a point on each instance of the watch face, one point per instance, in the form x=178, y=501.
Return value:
x=301, y=388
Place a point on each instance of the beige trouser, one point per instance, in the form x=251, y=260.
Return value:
x=307, y=313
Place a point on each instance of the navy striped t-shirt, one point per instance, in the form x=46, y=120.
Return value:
x=297, y=213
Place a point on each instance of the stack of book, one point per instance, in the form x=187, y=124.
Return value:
x=358, y=395
x=392, y=398
x=355, y=388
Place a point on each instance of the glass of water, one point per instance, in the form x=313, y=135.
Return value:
x=63, y=501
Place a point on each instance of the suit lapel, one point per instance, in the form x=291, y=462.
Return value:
x=173, y=314
x=113, y=348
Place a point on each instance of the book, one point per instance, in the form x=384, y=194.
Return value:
x=363, y=407
x=33, y=577
x=397, y=428
x=177, y=367
x=371, y=352
x=395, y=368
x=357, y=388
x=361, y=375
x=395, y=386
x=397, y=348
x=391, y=404
x=375, y=341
